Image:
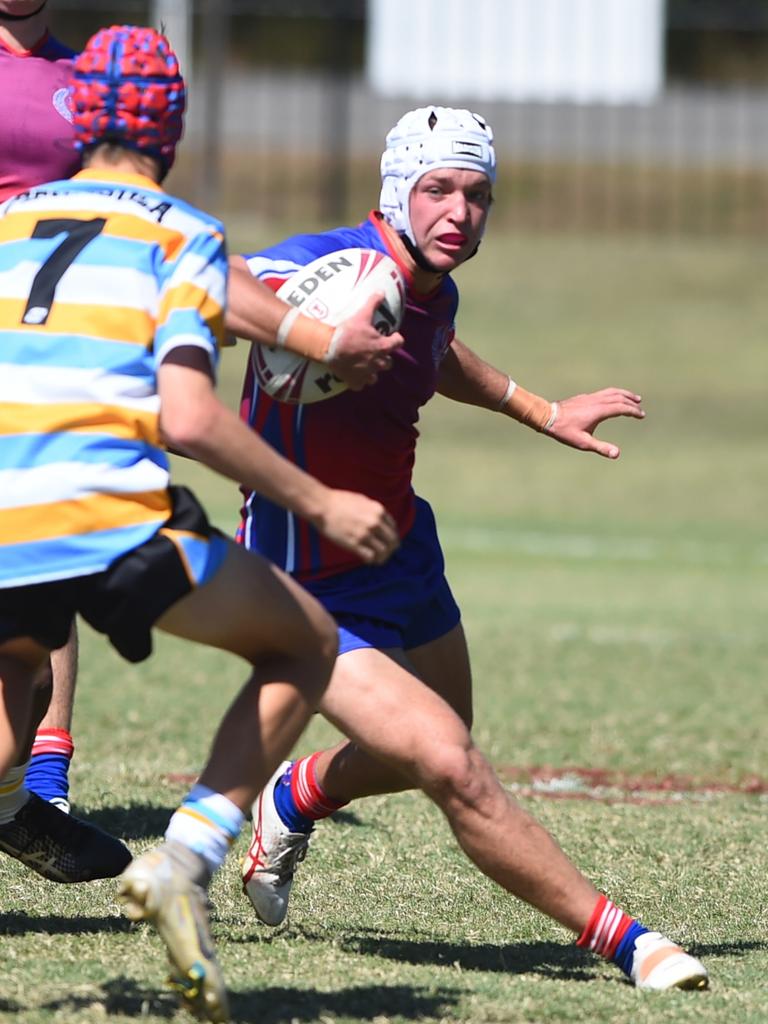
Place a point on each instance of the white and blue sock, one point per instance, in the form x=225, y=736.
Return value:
x=208, y=823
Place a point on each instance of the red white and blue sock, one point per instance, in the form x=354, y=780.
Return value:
x=48, y=771
x=612, y=933
x=300, y=800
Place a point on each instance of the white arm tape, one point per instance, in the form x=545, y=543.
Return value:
x=330, y=355
x=511, y=388
x=552, y=417
x=285, y=326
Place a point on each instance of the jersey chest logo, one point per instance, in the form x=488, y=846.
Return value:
x=61, y=104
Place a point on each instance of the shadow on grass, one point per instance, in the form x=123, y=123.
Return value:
x=134, y=821
x=347, y=817
x=550, y=959
x=13, y=923
x=558, y=961
x=278, y=1005
x=282, y=1005
x=702, y=950
x=147, y=821
x=271, y=1005
x=121, y=995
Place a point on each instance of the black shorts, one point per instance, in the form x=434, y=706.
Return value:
x=128, y=598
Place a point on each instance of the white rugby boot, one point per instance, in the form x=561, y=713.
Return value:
x=660, y=964
x=270, y=863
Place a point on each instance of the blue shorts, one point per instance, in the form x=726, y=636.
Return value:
x=404, y=603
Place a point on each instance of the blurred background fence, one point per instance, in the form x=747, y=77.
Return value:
x=610, y=115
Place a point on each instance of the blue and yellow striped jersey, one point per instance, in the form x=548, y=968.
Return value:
x=100, y=277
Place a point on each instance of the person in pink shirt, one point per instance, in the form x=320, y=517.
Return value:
x=35, y=119
x=37, y=145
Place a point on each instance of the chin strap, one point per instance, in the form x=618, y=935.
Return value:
x=4, y=16
x=421, y=262
x=417, y=256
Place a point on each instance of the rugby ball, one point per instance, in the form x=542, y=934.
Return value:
x=330, y=289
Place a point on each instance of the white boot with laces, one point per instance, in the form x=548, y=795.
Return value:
x=270, y=863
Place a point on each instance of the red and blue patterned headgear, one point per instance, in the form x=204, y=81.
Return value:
x=126, y=88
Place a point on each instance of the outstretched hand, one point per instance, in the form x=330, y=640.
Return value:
x=361, y=352
x=579, y=417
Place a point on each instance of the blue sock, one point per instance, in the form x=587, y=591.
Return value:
x=47, y=776
x=625, y=951
x=286, y=808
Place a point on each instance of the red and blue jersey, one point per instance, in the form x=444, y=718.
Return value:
x=359, y=440
x=36, y=136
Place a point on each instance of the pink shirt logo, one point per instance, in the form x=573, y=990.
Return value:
x=61, y=103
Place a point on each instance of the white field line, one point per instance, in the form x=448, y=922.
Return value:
x=608, y=635
x=593, y=547
x=574, y=787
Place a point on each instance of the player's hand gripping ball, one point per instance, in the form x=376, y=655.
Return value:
x=331, y=288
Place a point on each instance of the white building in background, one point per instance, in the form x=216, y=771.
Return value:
x=581, y=51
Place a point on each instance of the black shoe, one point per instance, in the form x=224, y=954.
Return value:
x=59, y=847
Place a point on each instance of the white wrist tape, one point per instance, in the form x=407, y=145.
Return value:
x=330, y=355
x=285, y=326
x=511, y=388
x=532, y=410
x=553, y=416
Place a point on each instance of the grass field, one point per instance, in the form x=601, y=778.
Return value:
x=616, y=614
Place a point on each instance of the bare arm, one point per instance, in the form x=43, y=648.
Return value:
x=253, y=310
x=354, y=350
x=465, y=377
x=194, y=422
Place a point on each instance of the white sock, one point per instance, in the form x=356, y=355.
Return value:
x=208, y=823
x=13, y=795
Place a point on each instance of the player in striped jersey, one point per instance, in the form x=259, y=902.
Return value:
x=112, y=297
x=36, y=146
x=402, y=687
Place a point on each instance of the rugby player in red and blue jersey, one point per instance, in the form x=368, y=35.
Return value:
x=401, y=688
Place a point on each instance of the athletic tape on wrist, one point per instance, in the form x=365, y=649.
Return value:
x=551, y=421
x=305, y=336
x=285, y=326
x=532, y=410
x=330, y=355
x=511, y=387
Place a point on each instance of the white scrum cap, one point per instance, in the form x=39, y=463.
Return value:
x=422, y=140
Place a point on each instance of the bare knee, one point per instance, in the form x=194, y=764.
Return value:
x=306, y=657
x=457, y=776
x=321, y=642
